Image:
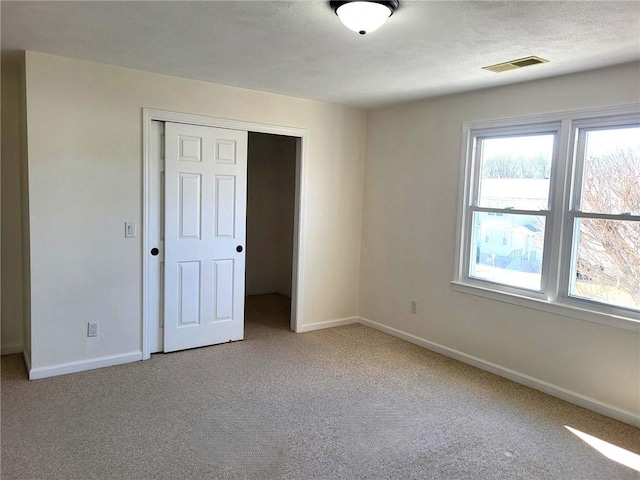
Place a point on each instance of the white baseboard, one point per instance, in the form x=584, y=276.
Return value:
x=82, y=365
x=535, y=383
x=328, y=324
x=11, y=349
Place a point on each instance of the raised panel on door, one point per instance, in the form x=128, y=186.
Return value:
x=190, y=148
x=190, y=199
x=223, y=289
x=225, y=151
x=189, y=285
x=205, y=209
x=225, y=195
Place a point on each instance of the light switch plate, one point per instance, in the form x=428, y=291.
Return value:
x=130, y=229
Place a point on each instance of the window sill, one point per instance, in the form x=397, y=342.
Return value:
x=564, y=310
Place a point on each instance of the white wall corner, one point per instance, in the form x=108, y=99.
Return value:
x=11, y=349
x=27, y=361
x=81, y=365
x=532, y=382
x=328, y=324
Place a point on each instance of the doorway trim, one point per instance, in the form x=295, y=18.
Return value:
x=302, y=152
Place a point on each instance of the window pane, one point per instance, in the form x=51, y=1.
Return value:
x=515, y=172
x=606, y=262
x=611, y=178
x=507, y=249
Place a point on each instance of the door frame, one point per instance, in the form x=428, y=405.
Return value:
x=302, y=152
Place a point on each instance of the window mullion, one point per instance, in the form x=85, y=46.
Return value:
x=561, y=182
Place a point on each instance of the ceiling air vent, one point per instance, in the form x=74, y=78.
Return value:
x=513, y=64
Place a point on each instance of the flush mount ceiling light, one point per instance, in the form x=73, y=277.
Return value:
x=364, y=16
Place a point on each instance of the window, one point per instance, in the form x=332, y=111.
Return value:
x=551, y=210
x=511, y=199
x=604, y=221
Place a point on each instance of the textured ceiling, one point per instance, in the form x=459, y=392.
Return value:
x=300, y=48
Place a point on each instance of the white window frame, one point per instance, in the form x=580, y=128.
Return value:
x=566, y=171
x=471, y=207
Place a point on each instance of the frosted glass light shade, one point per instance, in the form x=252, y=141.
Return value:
x=363, y=17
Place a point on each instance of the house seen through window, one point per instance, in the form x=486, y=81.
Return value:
x=513, y=177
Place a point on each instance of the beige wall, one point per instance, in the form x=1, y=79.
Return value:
x=409, y=236
x=85, y=176
x=12, y=334
x=271, y=169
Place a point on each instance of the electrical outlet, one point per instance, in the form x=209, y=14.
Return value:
x=92, y=331
x=414, y=306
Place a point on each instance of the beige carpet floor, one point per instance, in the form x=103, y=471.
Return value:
x=341, y=403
